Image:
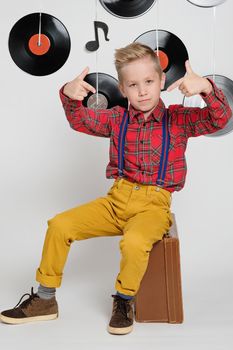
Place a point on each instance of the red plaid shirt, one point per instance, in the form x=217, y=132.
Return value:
x=143, y=140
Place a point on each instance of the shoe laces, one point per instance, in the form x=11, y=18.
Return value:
x=121, y=305
x=27, y=301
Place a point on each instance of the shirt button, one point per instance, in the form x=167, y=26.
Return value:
x=136, y=188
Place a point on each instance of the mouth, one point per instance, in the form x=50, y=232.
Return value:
x=144, y=101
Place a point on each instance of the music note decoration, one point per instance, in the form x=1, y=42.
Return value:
x=93, y=45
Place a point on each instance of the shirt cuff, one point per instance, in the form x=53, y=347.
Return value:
x=216, y=93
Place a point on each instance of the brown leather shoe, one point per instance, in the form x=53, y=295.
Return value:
x=32, y=309
x=122, y=316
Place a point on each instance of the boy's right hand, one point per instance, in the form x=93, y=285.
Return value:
x=78, y=89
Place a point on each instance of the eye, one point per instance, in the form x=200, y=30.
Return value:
x=149, y=81
x=132, y=85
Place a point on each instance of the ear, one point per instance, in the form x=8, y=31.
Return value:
x=120, y=86
x=163, y=79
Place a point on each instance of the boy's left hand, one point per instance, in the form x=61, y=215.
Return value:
x=191, y=84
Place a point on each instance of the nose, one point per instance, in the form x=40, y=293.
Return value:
x=142, y=90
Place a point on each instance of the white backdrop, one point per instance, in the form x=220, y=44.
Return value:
x=46, y=168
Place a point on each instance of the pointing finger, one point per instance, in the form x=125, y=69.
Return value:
x=83, y=74
x=175, y=84
x=88, y=87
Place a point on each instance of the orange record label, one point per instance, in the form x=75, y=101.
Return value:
x=39, y=44
x=163, y=59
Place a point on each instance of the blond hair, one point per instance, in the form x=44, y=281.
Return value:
x=133, y=52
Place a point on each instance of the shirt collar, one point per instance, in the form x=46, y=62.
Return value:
x=156, y=114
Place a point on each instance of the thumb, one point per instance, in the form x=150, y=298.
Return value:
x=83, y=74
x=188, y=67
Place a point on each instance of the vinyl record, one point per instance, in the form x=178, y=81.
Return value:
x=172, y=53
x=226, y=85
x=206, y=3
x=109, y=94
x=127, y=8
x=39, y=44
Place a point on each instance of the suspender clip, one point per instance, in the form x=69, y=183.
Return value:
x=120, y=173
x=159, y=182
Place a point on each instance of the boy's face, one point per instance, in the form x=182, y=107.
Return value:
x=141, y=84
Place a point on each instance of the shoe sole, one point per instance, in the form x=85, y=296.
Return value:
x=123, y=330
x=10, y=320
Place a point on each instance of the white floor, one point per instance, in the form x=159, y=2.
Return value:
x=85, y=311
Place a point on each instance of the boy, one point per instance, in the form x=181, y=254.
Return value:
x=137, y=206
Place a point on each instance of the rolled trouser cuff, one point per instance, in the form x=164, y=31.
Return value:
x=48, y=281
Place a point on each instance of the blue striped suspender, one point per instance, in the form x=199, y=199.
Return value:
x=121, y=143
x=164, y=152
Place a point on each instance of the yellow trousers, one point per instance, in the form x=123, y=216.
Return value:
x=139, y=213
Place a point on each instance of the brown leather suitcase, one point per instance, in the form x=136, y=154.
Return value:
x=159, y=298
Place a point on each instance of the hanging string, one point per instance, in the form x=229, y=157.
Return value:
x=156, y=29
x=214, y=44
x=96, y=61
x=213, y=56
x=39, y=36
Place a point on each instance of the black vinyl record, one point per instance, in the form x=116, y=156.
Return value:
x=226, y=85
x=172, y=53
x=127, y=8
x=206, y=3
x=109, y=94
x=39, y=44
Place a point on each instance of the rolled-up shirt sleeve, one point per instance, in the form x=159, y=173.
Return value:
x=200, y=121
x=89, y=121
